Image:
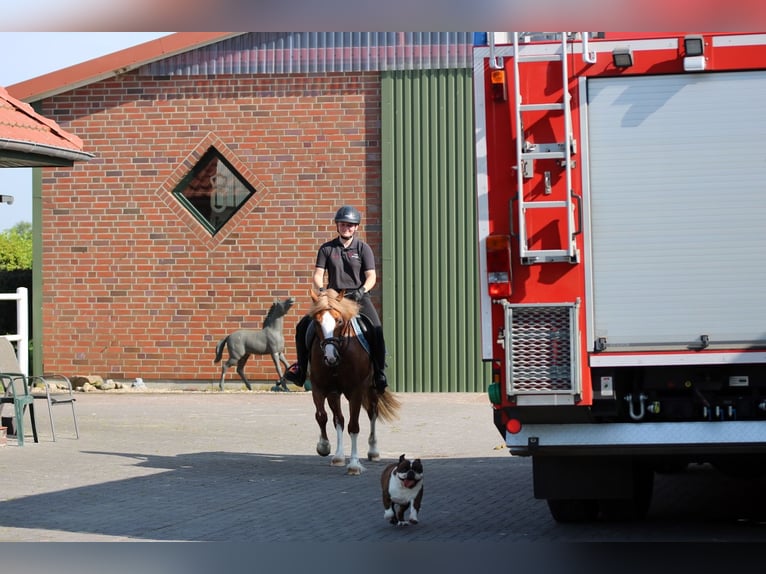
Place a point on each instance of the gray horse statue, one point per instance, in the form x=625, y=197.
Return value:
x=245, y=342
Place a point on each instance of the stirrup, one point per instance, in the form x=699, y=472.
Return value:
x=294, y=375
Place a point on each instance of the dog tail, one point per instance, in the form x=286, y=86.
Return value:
x=388, y=406
x=219, y=349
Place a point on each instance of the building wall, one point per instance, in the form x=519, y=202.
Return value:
x=430, y=285
x=132, y=284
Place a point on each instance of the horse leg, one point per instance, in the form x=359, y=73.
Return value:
x=372, y=441
x=281, y=358
x=281, y=384
x=224, y=366
x=241, y=371
x=354, y=466
x=339, y=458
x=230, y=362
x=323, y=446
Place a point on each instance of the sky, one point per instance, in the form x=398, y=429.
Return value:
x=39, y=53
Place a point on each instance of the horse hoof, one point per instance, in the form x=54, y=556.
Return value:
x=373, y=456
x=354, y=471
x=337, y=461
x=323, y=449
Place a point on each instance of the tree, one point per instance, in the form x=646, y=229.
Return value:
x=16, y=247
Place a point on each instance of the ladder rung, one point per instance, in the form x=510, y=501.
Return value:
x=543, y=155
x=539, y=204
x=541, y=107
x=549, y=256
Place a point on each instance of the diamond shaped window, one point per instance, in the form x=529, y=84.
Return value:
x=213, y=191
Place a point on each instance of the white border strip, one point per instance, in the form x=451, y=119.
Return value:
x=482, y=196
x=665, y=359
x=739, y=40
x=640, y=434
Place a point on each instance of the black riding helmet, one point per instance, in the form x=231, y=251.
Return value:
x=348, y=214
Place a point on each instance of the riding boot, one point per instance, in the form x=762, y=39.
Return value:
x=379, y=361
x=296, y=373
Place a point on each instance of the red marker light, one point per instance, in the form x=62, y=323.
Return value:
x=513, y=426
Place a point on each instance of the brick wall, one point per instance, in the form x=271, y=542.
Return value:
x=134, y=285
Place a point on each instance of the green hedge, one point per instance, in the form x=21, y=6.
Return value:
x=9, y=282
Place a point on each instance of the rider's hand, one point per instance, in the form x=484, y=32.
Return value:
x=355, y=294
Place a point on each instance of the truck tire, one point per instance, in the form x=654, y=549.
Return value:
x=567, y=511
x=637, y=506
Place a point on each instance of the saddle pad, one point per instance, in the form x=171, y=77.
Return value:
x=360, y=334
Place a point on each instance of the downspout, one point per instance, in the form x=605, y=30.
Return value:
x=36, y=368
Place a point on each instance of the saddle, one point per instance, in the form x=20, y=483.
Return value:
x=362, y=327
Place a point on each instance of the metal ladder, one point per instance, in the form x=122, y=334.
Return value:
x=527, y=153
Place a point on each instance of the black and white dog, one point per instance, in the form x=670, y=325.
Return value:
x=402, y=484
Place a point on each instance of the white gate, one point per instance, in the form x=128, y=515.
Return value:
x=21, y=337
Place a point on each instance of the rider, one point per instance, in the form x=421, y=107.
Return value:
x=350, y=266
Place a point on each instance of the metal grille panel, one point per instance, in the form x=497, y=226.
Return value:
x=541, y=349
x=321, y=52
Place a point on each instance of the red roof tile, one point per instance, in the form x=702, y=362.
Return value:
x=29, y=139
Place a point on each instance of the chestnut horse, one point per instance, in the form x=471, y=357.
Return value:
x=340, y=365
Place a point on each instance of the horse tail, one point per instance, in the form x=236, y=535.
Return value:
x=219, y=349
x=388, y=406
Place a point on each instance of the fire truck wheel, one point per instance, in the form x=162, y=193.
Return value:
x=565, y=510
x=636, y=507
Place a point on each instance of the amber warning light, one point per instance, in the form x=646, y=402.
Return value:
x=499, y=266
x=499, y=90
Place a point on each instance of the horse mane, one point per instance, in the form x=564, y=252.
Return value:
x=271, y=315
x=331, y=299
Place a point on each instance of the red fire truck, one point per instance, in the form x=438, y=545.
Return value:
x=621, y=200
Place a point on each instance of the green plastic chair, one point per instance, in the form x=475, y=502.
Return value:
x=16, y=390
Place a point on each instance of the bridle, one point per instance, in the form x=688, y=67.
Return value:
x=340, y=338
x=341, y=326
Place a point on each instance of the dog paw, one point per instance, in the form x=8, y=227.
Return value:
x=402, y=523
x=413, y=520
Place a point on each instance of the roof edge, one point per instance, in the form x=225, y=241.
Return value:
x=113, y=64
x=44, y=149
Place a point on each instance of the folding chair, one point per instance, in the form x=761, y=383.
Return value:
x=58, y=391
x=16, y=390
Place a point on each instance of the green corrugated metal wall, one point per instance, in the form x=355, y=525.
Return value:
x=430, y=270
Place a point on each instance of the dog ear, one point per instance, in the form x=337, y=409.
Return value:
x=417, y=466
x=401, y=458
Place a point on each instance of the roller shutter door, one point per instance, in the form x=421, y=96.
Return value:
x=678, y=209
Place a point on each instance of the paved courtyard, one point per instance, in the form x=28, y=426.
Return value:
x=241, y=467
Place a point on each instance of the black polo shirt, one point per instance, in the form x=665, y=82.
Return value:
x=345, y=266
